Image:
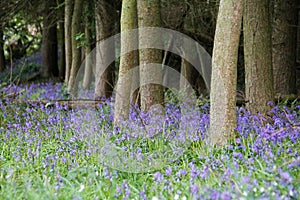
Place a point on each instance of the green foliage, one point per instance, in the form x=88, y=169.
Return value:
x=21, y=37
x=290, y=101
x=80, y=38
x=171, y=96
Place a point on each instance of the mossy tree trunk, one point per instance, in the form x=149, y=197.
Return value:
x=224, y=72
x=76, y=52
x=149, y=16
x=127, y=61
x=258, y=56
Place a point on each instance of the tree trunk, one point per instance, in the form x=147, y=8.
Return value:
x=88, y=67
x=284, y=37
x=258, y=56
x=127, y=61
x=149, y=16
x=105, y=21
x=191, y=78
x=62, y=57
x=224, y=72
x=68, y=38
x=298, y=53
x=2, y=58
x=298, y=37
x=49, y=43
x=186, y=72
x=76, y=52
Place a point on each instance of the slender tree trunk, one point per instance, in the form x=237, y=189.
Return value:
x=76, y=52
x=284, y=37
x=62, y=59
x=127, y=61
x=49, y=43
x=68, y=38
x=2, y=58
x=258, y=55
x=298, y=37
x=298, y=53
x=186, y=72
x=224, y=72
x=105, y=21
x=88, y=67
x=149, y=16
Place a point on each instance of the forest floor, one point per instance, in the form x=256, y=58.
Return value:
x=53, y=152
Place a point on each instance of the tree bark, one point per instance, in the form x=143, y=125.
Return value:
x=49, y=43
x=284, y=41
x=62, y=57
x=88, y=67
x=105, y=21
x=258, y=56
x=186, y=72
x=68, y=38
x=127, y=61
x=2, y=58
x=224, y=72
x=149, y=16
x=192, y=78
x=76, y=52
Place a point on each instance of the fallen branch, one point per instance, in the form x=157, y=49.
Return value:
x=70, y=104
x=89, y=103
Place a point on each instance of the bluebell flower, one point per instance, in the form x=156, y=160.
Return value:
x=168, y=171
x=158, y=177
x=285, y=177
x=194, y=189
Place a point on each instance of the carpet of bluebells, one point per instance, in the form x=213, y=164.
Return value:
x=50, y=152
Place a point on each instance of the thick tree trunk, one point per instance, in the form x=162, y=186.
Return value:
x=76, y=52
x=224, y=72
x=258, y=56
x=127, y=61
x=49, y=43
x=2, y=58
x=284, y=37
x=68, y=38
x=149, y=16
x=105, y=27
